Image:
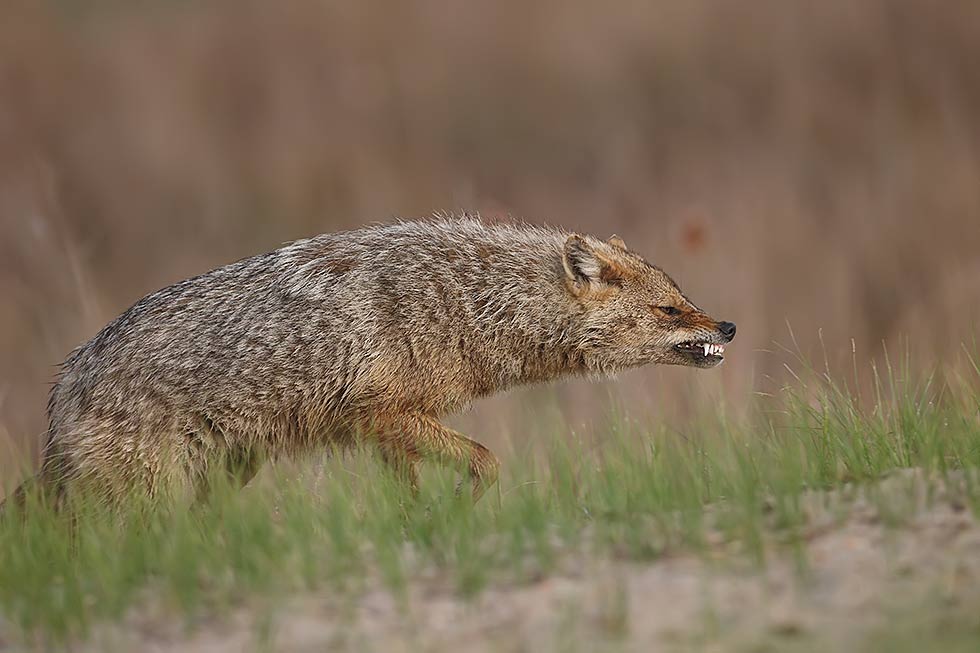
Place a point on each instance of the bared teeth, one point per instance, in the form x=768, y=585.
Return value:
x=712, y=349
x=706, y=348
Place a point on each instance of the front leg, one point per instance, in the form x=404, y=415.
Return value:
x=406, y=438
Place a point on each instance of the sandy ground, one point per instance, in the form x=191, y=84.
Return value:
x=861, y=576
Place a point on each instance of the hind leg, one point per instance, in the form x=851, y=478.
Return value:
x=243, y=464
x=236, y=467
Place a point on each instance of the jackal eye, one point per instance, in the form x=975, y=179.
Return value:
x=669, y=311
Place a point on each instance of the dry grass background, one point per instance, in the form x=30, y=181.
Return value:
x=786, y=161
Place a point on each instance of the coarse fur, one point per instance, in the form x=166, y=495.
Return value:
x=370, y=334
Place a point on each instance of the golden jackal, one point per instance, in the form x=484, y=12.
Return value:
x=371, y=334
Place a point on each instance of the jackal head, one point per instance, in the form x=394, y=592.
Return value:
x=632, y=313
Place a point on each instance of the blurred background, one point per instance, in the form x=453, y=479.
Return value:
x=793, y=164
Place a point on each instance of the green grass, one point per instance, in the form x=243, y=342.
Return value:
x=642, y=494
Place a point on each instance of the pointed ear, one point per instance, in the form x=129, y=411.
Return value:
x=616, y=241
x=587, y=268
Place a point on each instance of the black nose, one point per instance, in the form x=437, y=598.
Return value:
x=727, y=329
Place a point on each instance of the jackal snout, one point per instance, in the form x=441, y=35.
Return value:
x=702, y=342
